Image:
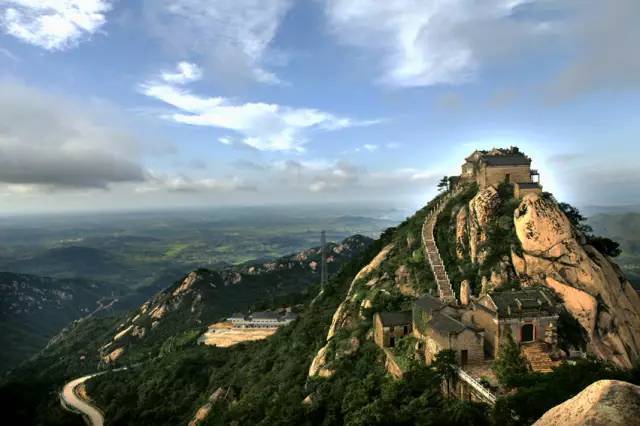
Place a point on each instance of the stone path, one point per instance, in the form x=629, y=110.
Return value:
x=538, y=358
x=445, y=291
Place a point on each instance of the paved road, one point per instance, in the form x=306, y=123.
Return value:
x=73, y=401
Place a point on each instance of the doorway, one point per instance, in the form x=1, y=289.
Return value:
x=526, y=333
x=507, y=178
x=392, y=341
x=464, y=357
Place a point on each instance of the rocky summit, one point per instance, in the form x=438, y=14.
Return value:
x=603, y=403
x=592, y=287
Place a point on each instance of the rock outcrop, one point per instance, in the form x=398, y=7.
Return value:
x=461, y=232
x=593, y=289
x=343, y=315
x=465, y=292
x=605, y=402
x=481, y=210
x=204, y=411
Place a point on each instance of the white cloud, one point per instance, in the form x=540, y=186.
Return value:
x=370, y=147
x=429, y=42
x=423, y=43
x=232, y=36
x=186, y=72
x=53, y=24
x=225, y=140
x=263, y=126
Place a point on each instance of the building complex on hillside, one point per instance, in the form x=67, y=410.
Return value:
x=476, y=331
x=263, y=319
x=477, y=327
x=509, y=165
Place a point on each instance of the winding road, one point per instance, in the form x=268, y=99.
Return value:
x=72, y=402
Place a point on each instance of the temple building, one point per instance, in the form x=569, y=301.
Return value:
x=528, y=315
x=500, y=165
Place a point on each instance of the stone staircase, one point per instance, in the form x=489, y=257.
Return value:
x=537, y=356
x=445, y=290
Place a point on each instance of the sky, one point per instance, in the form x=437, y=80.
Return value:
x=112, y=105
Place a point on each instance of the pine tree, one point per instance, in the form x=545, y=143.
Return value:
x=510, y=367
x=444, y=364
x=443, y=184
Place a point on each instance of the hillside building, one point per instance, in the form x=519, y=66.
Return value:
x=263, y=319
x=493, y=167
x=474, y=332
x=529, y=315
x=440, y=326
x=389, y=327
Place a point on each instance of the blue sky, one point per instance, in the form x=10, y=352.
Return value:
x=116, y=105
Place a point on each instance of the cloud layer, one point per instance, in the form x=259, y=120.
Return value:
x=50, y=142
x=53, y=24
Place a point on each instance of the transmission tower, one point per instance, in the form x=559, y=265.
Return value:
x=323, y=262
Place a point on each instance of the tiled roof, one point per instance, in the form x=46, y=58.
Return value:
x=506, y=160
x=265, y=315
x=395, y=318
x=444, y=325
x=515, y=303
x=429, y=304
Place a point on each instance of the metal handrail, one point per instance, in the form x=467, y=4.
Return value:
x=486, y=393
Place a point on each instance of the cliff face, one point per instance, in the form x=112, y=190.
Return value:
x=481, y=210
x=472, y=223
x=346, y=314
x=593, y=288
x=605, y=402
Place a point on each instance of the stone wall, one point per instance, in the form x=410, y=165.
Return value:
x=521, y=192
x=495, y=175
x=485, y=321
x=467, y=340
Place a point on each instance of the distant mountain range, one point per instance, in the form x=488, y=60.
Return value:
x=34, y=308
x=625, y=229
